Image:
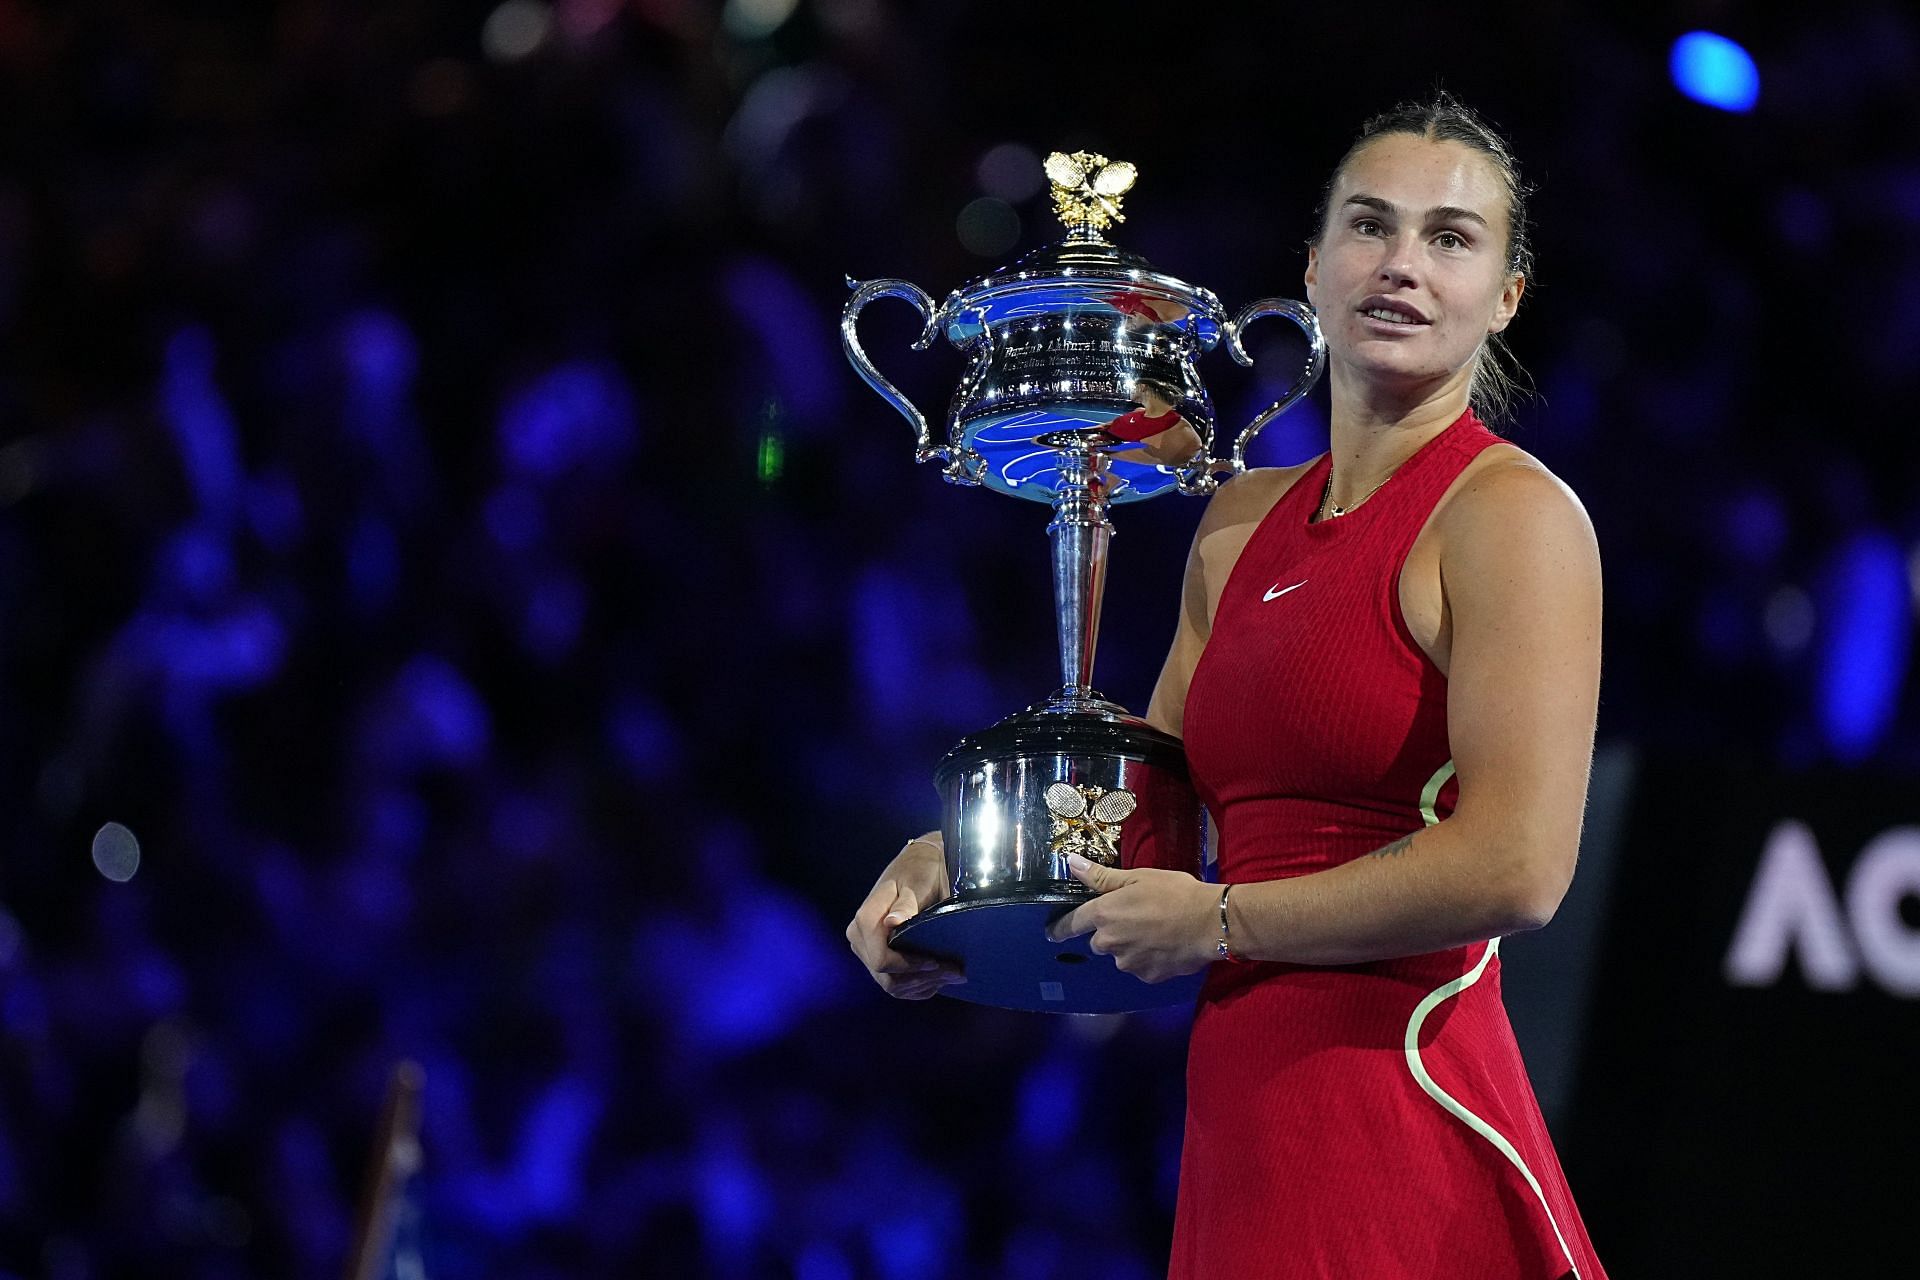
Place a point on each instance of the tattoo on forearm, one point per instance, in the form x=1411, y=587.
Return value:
x=1399, y=846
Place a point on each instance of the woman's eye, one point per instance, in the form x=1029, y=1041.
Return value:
x=1367, y=227
x=1450, y=240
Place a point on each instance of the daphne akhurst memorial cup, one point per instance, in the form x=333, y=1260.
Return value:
x=1081, y=390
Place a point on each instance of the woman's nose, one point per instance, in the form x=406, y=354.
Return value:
x=1396, y=264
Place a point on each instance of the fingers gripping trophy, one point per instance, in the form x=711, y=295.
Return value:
x=1080, y=391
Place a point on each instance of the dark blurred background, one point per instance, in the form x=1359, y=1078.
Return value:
x=457, y=604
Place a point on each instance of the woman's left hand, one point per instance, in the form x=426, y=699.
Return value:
x=1155, y=924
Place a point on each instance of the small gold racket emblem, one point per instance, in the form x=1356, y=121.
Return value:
x=1088, y=188
x=1086, y=820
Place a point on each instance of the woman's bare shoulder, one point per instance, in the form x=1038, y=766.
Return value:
x=1246, y=498
x=1505, y=491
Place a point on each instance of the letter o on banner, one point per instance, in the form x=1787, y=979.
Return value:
x=1888, y=870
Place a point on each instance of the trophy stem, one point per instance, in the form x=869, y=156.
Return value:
x=1080, y=532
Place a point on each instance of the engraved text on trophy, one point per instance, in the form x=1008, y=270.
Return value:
x=1085, y=355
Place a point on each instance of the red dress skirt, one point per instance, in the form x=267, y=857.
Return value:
x=1373, y=1120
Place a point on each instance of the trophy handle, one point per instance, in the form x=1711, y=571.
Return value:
x=924, y=450
x=1197, y=476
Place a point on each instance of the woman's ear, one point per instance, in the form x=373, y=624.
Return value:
x=1509, y=302
x=1313, y=273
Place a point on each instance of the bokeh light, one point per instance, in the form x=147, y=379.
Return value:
x=1011, y=172
x=1789, y=620
x=11, y=937
x=756, y=19
x=1864, y=646
x=988, y=227
x=1714, y=70
x=514, y=31
x=116, y=852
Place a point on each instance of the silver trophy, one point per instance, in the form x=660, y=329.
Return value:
x=1080, y=391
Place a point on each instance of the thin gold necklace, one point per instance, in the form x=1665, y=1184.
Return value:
x=1327, y=512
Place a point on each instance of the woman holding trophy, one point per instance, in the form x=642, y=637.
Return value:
x=1385, y=673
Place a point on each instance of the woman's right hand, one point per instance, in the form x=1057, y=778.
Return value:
x=914, y=880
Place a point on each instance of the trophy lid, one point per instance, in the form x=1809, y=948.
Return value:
x=1084, y=270
x=1051, y=729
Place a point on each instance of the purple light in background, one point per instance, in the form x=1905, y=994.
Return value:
x=11, y=1185
x=582, y=19
x=732, y=1199
x=1865, y=636
x=1724, y=625
x=1571, y=401
x=373, y=562
x=514, y=518
x=223, y=224
x=1755, y=526
x=252, y=644
x=274, y=511
x=25, y=1010
x=302, y=1184
x=808, y=374
x=202, y=426
x=1037, y=1252
x=196, y=565
x=556, y=612
x=887, y=647
x=280, y=890
x=377, y=895
x=732, y=999
x=1049, y=1105
x=912, y=1245
x=554, y=1143
x=394, y=823
x=1803, y=220
x=381, y=358
x=1294, y=436
x=819, y=1260
x=12, y=938
x=238, y=650
x=643, y=737
x=524, y=826
x=577, y=415
x=155, y=983
x=445, y=717
x=776, y=104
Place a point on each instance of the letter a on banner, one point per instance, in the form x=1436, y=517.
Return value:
x=1792, y=904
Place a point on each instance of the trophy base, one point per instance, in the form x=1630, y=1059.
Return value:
x=1002, y=945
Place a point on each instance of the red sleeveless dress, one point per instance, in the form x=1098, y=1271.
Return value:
x=1368, y=1121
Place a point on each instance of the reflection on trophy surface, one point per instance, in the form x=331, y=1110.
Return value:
x=1156, y=426
x=1081, y=391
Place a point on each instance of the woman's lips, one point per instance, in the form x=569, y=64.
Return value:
x=1393, y=311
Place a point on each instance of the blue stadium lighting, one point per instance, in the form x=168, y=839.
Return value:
x=1865, y=646
x=1714, y=70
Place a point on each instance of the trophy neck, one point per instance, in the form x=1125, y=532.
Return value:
x=1079, y=532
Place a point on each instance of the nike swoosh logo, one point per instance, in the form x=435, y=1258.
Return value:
x=1273, y=594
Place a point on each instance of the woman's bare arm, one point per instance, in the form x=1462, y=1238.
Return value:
x=1521, y=576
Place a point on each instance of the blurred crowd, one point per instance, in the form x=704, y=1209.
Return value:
x=438, y=525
